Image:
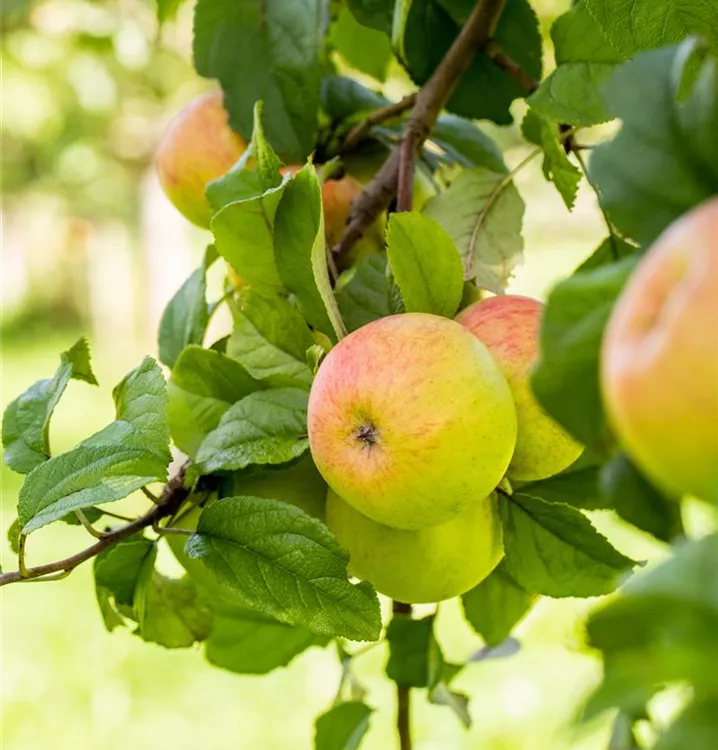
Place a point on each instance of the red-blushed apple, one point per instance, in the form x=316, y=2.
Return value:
x=411, y=420
x=425, y=565
x=508, y=325
x=197, y=147
x=659, y=363
x=300, y=485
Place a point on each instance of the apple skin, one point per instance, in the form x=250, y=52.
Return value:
x=659, y=359
x=300, y=485
x=426, y=565
x=410, y=420
x=197, y=147
x=508, y=325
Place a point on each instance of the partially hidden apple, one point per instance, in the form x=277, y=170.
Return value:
x=411, y=420
x=300, y=485
x=198, y=146
x=425, y=565
x=508, y=325
x=659, y=358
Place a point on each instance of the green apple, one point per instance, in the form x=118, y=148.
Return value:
x=197, y=147
x=300, y=485
x=659, y=358
x=509, y=327
x=411, y=420
x=426, y=565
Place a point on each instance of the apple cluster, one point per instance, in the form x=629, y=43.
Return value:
x=414, y=420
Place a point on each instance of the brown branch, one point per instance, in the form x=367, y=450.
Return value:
x=503, y=61
x=405, y=179
x=403, y=693
x=430, y=100
x=375, y=118
x=173, y=494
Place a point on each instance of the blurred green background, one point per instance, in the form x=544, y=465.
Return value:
x=92, y=247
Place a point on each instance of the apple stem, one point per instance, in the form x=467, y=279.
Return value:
x=403, y=693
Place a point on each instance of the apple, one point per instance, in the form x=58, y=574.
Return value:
x=659, y=358
x=508, y=325
x=425, y=565
x=197, y=147
x=411, y=420
x=300, y=485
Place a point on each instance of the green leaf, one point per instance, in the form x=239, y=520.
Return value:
x=577, y=487
x=265, y=427
x=171, y=612
x=410, y=645
x=285, y=564
x=553, y=549
x=424, y=30
x=300, y=250
x=344, y=97
x=634, y=25
x=203, y=385
x=126, y=455
x=342, y=727
x=364, y=49
x=362, y=292
x=496, y=606
x=557, y=167
x=440, y=695
x=270, y=340
x=660, y=629
x=167, y=10
x=425, y=264
x=256, y=171
x=465, y=143
x=585, y=60
x=483, y=213
x=664, y=160
x=696, y=728
x=376, y=14
x=247, y=642
x=636, y=500
x=26, y=422
x=393, y=294
x=244, y=237
x=117, y=571
x=565, y=379
x=271, y=52
x=612, y=249
x=186, y=316
x=13, y=536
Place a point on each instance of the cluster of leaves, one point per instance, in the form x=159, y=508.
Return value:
x=237, y=406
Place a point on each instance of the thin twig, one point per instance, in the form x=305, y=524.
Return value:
x=602, y=208
x=150, y=495
x=403, y=693
x=430, y=100
x=83, y=519
x=173, y=495
x=503, y=61
x=377, y=116
x=170, y=530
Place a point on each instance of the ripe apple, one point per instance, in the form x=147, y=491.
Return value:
x=410, y=420
x=300, y=485
x=425, y=565
x=509, y=327
x=659, y=358
x=197, y=147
